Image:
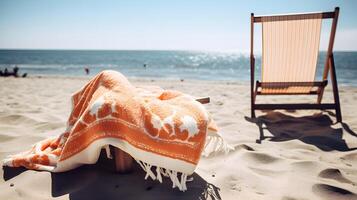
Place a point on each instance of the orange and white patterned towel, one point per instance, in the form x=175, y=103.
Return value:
x=159, y=128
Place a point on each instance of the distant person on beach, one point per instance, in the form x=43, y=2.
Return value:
x=15, y=72
x=145, y=65
x=86, y=69
x=6, y=72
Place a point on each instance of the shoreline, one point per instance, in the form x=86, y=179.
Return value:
x=136, y=79
x=155, y=79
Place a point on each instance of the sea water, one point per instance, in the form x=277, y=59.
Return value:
x=202, y=65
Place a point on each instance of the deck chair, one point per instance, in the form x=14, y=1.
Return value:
x=290, y=47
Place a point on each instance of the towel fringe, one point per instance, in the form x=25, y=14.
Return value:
x=215, y=144
x=107, y=150
x=172, y=174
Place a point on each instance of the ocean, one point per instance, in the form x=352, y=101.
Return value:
x=232, y=66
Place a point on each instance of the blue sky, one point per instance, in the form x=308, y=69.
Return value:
x=222, y=25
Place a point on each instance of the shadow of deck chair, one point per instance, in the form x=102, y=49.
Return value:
x=290, y=48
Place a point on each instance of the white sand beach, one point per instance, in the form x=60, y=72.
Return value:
x=280, y=155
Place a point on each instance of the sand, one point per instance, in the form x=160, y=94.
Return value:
x=280, y=155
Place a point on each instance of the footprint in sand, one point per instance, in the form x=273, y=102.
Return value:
x=260, y=158
x=268, y=172
x=335, y=174
x=244, y=146
x=333, y=192
x=350, y=159
x=219, y=103
x=288, y=198
x=15, y=119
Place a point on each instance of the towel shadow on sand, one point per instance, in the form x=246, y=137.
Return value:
x=100, y=181
x=316, y=130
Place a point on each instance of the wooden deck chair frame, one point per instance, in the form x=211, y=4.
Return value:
x=329, y=67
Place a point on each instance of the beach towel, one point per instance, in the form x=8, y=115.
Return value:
x=165, y=131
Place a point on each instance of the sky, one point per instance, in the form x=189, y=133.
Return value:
x=219, y=25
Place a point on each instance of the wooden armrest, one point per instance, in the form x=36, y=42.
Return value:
x=203, y=100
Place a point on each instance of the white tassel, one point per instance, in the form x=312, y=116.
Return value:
x=189, y=179
x=174, y=179
x=158, y=174
x=8, y=162
x=215, y=144
x=107, y=150
x=141, y=164
x=164, y=172
x=181, y=184
x=147, y=168
x=149, y=172
x=178, y=184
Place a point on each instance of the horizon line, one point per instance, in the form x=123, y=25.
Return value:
x=207, y=50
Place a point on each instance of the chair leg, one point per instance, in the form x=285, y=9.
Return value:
x=335, y=88
x=253, y=112
x=252, y=101
x=338, y=113
x=319, y=95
